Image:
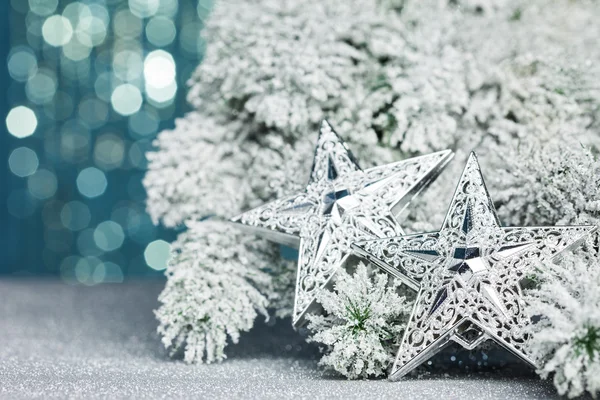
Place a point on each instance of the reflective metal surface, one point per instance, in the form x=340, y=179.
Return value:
x=467, y=275
x=341, y=204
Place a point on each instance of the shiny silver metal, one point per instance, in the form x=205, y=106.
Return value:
x=341, y=204
x=467, y=275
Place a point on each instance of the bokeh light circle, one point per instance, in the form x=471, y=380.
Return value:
x=161, y=31
x=127, y=25
x=43, y=8
x=23, y=162
x=157, y=254
x=42, y=184
x=159, y=69
x=57, y=30
x=109, y=151
x=126, y=99
x=109, y=236
x=91, y=182
x=144, y=8
x=41, y=88
x=75, y=216
x=21, y=122
x=22, y=63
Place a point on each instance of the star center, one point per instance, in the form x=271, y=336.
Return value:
x=467, y=261
x=330, y=198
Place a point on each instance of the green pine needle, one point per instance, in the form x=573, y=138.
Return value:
x=358, y=316
x=588, y=342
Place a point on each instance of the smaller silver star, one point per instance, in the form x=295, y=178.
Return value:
x=467, y=275
x=341, y=204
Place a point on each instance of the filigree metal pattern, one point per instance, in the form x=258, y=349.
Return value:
x=341, y=204
x=467, y=275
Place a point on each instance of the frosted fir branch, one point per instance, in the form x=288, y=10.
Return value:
x=218, y=283
x=567, y=340
x=551, y=184
x=362, y=326
x=390, y=90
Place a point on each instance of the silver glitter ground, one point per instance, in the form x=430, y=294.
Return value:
x=59, y=341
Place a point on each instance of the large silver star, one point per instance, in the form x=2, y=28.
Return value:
x=467, y=275
x=341, y=204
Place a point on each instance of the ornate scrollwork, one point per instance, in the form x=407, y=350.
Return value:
x=341, y=204
x=468, y=274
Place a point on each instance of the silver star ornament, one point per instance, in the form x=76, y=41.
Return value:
x=467, y=275
x=341, y=204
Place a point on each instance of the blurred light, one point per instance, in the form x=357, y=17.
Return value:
x=61, y=106
x=100, y=11
x=109, y=236
x=67, y=269
x=43, y=8
x=93, y=112
x=75, y=10
x=103, y=86
x=91, y=31
x=143, y=8
x=157, y=254
x=84, y=269
x=144, y=123
x=203, y=9
x=23, y=162
x=91, y=23
x=161, y=31
x=127, y=25
x=91, y=182
x=109, y=151
x=20, y=204
x=21, y=122
x=34, y=34
x=74, y=141
x=168, y=8
x=75, y=216
x=140, y=227
x=86, y=244
x=42, y=184
x=126, y=99
x=162, y=97
x=57, y=30
x=22, y=63
x=190, y=41
x=107, y=272
x=128, y=65
x=76, y=51
x=137, y=158
x=41, y=88
x=159, y=69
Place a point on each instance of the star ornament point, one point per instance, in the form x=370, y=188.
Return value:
x=467, y=275
x=340, y=205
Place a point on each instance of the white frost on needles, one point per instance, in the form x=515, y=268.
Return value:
x=217, y=285
x=567, y=339
x=363, y=323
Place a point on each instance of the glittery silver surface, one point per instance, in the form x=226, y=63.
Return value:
x=60, y=341
x=341, y=204
x=468, y=275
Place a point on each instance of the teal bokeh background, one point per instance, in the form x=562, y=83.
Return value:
x=102, y=78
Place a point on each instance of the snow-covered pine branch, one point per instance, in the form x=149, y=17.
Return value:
x=218, y=283
x=567, y=339
x=362, y=328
